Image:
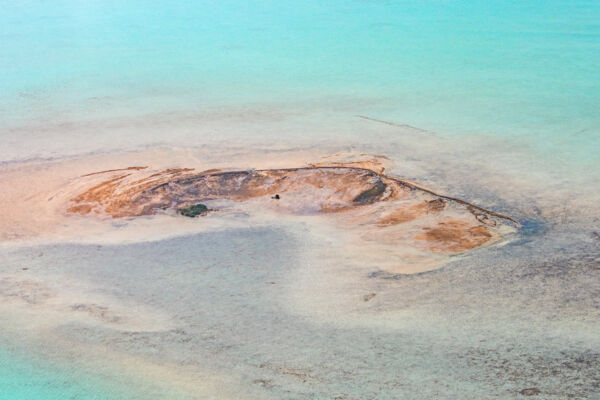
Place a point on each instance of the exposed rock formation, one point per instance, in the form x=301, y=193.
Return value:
x=395, y=207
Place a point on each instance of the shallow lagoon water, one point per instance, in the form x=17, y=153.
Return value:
x=25, y=379
x=501, y=105
x=107, y=75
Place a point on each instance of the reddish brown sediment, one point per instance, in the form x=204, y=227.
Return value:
x=335, y=188
x=80, y=209
x=97, y=195
x=413, y=212
x=474, y=209
x=454, y=236
x=365, y=195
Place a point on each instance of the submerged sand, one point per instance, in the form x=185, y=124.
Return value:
x=355, y=283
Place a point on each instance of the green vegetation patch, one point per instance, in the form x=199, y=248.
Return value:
x=193, y=211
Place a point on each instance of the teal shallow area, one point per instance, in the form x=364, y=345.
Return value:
x=24, y=378
x=526, y=70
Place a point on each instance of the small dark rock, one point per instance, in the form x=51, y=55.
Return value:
x=530, y=392
x=193, y=211
x=276, y=197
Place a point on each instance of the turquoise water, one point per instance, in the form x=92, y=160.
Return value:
x=526, y=70
x=24, y=378
x=51, y=374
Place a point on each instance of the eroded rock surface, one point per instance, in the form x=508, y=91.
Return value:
x=396, y=209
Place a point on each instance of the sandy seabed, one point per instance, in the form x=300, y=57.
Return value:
x=320, y=297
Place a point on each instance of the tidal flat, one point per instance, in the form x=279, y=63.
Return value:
x=238, y=313
x=304, y=200
x=257, y=299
